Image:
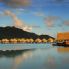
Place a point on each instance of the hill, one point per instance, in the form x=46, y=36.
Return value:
x=13, y=32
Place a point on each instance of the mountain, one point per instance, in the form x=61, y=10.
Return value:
x=13, y=32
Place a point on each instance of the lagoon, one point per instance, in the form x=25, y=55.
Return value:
x=37, y=56
x=5, y=47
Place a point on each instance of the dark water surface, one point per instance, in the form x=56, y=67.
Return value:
x=48, y=57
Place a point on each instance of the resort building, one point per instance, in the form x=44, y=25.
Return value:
x=63, y=36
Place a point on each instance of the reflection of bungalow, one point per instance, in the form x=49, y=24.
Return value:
x=63, y=50
x=5, y=41
x=21, y=58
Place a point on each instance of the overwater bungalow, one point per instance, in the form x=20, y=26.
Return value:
x=38, y=40
x=5, y=41
x=22, y=40
x=13, y=40
x=0, y=41
x=19, y=40
x=27, y=40
x=44, y=40
x=31, y=40
x=50, y=40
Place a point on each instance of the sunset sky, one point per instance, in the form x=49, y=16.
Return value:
x=42, y=16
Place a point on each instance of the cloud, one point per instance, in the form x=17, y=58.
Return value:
x=36, y=26
x=39, y=14
x=66, y=22
x=17, y=22
x=49, y=21
x=16, y=3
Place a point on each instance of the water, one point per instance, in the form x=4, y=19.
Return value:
x=23, y=46
x=47, y=57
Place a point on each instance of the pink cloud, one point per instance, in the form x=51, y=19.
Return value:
x=66, y=22
x=49, y=21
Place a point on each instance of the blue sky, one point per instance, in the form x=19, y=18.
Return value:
x=46, y=16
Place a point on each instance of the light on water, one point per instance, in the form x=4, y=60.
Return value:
x=47, y=57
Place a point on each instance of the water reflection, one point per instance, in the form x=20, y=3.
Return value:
x=47, y=58
x=13, y=53
x=50, y=62
x=63, y=50
x=59, y=59
x=10, y=53
x=21, y=58
x=14, y=57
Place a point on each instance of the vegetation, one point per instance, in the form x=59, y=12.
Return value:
x=16, y=35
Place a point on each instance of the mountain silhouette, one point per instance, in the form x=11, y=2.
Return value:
x=13, y=32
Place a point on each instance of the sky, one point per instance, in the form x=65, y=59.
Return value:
x=39, y=16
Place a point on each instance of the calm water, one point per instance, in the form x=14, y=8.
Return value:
x=47, y=57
